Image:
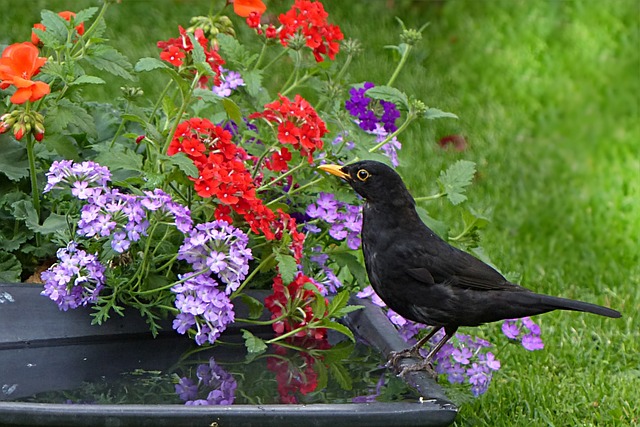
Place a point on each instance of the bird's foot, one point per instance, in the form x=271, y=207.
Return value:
x=425, y=365
x=396, y=356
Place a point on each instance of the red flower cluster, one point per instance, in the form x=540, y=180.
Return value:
x=66, y=15
x=298, y=124
x=310, y=19
x=295, y=369
x=175, y=51
x=296, y=302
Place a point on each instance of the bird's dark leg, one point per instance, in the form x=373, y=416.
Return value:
x=426, y=362
x=396, y=356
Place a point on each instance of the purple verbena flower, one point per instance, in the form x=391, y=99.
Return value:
x=344, y=220
x=90, y=176
x=219, y=385
x=76, y=279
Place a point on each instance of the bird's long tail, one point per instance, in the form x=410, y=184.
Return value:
x=557, y=303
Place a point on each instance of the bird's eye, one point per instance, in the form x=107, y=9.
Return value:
x=363, y=175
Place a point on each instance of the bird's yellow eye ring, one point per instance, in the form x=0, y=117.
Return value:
x=363, y=175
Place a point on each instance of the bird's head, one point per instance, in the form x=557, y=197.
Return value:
x=374, y=181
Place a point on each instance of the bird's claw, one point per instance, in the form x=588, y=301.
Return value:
x=396, y=356
x=425, y=365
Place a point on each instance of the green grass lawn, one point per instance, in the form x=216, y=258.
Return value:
x=547, y=92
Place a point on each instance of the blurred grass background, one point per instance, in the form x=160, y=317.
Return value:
x=547, y=92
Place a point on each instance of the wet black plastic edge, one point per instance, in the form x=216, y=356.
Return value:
x=369, y=325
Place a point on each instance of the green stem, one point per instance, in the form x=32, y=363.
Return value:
x=262, y=52
x=403, y=60
x=251, y=275
x=122, y=123
x=171, y=285
x=281, y=177
x=410, y=117
x=274, y=60
x=35, y=193
x=185, y=102
x=295, y=190
x=261, y=322
x=432, y=197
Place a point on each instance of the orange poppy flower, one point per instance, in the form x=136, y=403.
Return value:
x=245, y=7
x=18, y=64
x=67, y=15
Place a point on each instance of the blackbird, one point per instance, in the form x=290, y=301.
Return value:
x=422, y=277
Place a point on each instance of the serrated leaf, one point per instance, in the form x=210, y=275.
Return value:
x=108, y=59
x=338, y=302
x=149, y=64
x=390, y=94
x=319, y=306
x=84, y=15
x=13, y=161
x=455, y=179
x=56, y=26
x=337, y=327
x=253, y=82
x=230, y=47
x=115, y=160
x=53, y=223
x=434, y=113
x=439, y=227
x=182, y=162
x=23, y=210
x=322, y=378
x=232, y=109
x=338, y=352
x=48, y=38
x=206, y=95
x=10, y=268
x=341, y=375
x=253, y=343
x=287, y=267
x=256, y=308
x=64, y=113
x=85, y=79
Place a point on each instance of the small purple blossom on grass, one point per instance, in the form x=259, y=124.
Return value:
x=75, y=280
x=531, y=340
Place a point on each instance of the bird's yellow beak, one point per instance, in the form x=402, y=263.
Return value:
x=335, y=170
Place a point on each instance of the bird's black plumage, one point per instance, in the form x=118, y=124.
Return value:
x=422, y=277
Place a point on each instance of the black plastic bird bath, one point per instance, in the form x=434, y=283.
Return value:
x=44, y=350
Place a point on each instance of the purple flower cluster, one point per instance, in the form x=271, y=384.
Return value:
x=75, y=280
x=530, y=340
x=367, y=111
x=84, y=179
x=464, y=359
x=125, y=217
x=230, y=80
x=204, y=305
x=345, y=220
x=220, y=249
x=220, y=384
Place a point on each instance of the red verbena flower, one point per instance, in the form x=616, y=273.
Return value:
x=18, y=64
x=298, y=124
x=253, y=20
x=310, y=19
x=66, y=15
x=176, y=52
x=295, y=301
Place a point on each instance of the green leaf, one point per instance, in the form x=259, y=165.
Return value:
x=118, y=159
x=182, y=162
x=287, y=267
x=56, y=27
x=439, y=227
x=10, y=268
x=337, y=327
x=64, y=113
x=52, y=224
x=455, y=179
x=341, y=375
x=319, y=306
x=13, y=161
x=23, y=210
x=85, y=79
x=48, y=38
x=253, y=343
x=108, y=59
x=434, y=113
x=84, y=15
x=338, y=302
x=206, y=95
x=357, y=270
x=256, y=308
x=232, y=109
x=338, y=352
x=149, y=64
x=253, y=81
x=390, y=94
x=322, y=378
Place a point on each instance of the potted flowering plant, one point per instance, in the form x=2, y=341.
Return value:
x=176, y=206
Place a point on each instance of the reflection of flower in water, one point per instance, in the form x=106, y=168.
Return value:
x=220, y=385
x=295, y=369
x=374, y=393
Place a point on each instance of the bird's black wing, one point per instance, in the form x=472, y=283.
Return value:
x=439, y=262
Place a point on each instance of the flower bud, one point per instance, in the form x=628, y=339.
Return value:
x=38, y=130
x=18, y=131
